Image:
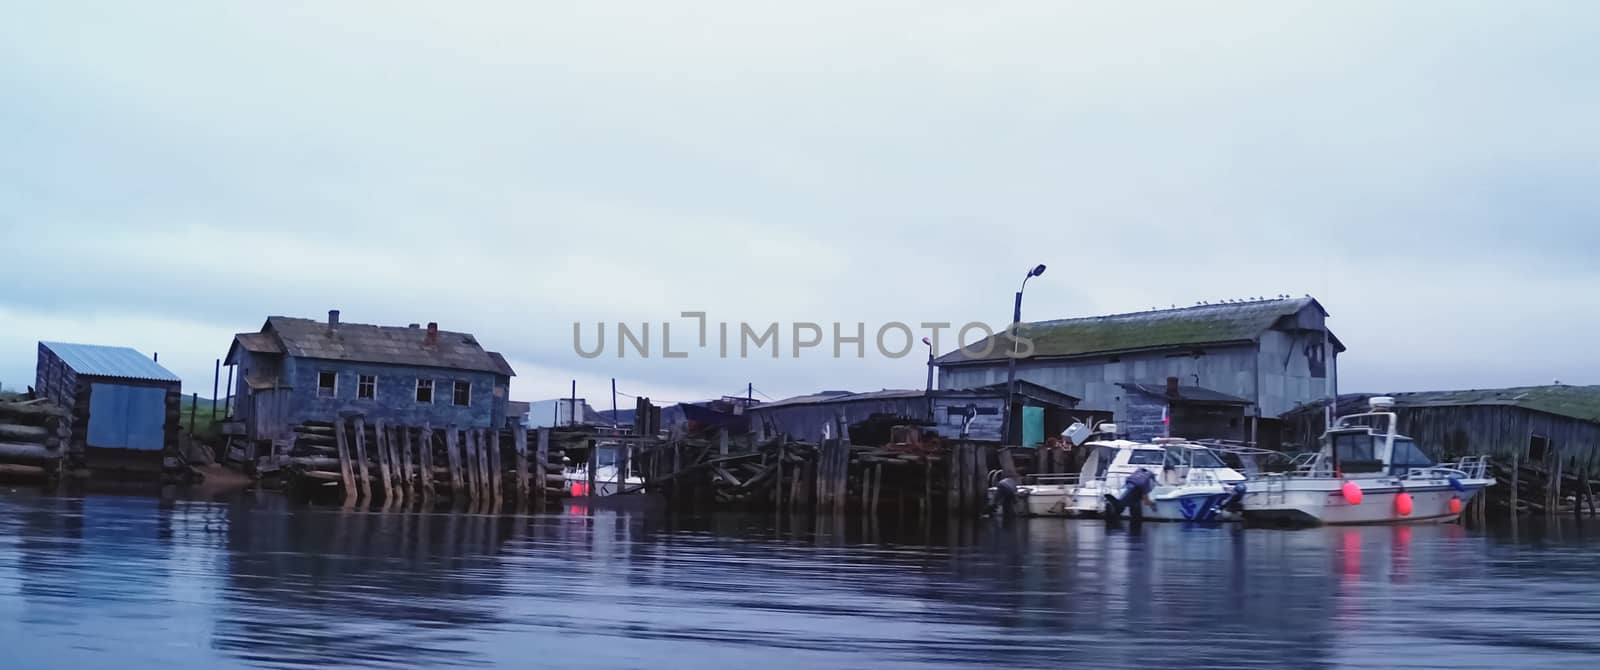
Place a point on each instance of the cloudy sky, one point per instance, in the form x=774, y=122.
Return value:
x=171, y=173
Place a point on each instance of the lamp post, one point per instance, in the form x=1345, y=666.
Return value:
x=1011, y=366
x=930, y=363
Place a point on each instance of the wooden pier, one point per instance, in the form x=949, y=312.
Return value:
x=398, y=465
x=35, y=441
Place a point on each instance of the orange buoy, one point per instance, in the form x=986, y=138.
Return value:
x=1402, y=504
x=1352, y=493
x=1455, y=505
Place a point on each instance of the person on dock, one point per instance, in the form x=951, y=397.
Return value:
x=1005, y=496
x=1134, y=491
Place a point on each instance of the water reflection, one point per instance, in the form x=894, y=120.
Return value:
x=132, y=582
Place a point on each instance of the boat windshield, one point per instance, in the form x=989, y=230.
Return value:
x=1147, y=457
x=1407, y=456
x=1202, y=458
x=1356, y=453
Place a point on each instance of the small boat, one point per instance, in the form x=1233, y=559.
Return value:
x=1192, y=481
x=605, y=474
x=1366, y=473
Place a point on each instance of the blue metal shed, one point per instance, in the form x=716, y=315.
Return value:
x=120, y=398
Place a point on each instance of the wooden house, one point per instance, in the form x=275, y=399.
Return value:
x=297, y=370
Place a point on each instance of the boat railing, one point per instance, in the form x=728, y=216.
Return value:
x=1470, y=467
x=1059, y=479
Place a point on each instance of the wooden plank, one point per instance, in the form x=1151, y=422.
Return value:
x=363, y=473
x=519, y=437
x=1516, y=474
x=346, y=467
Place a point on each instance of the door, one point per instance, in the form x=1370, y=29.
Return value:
x=127, y=417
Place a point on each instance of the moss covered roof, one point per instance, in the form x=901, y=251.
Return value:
x=1156, y=329
x=1576, y=402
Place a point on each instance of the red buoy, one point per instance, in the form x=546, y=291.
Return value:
x=1352, y=493
x=1455, y=505
x=1402, y=504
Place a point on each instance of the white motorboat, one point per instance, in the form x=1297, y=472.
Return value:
x=1366, y=473
x=1193, y=483
x=606, y=472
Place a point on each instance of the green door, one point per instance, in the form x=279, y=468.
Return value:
x=1032, y=426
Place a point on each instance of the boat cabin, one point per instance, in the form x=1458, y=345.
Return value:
x=1369, y=445
x=1172, y=459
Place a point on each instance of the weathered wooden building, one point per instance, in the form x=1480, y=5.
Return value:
x=969, y=414
x=1550, y=433
x=1175, y=410
x=1273, y=354
x=297, y=370
x=124, y=405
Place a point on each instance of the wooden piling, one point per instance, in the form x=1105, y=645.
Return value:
x=385, y=476
x=1516, y=476
x=877, y=487
x=452, y=456
x=497, y=476
x=363, y=473
x=346, y=472
x=519, y=439
x=541, y=464
x=425, y=455
x=474, y=474
x=594, y=463
x=408, y=485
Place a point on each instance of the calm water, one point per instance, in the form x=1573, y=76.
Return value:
x=130, y=582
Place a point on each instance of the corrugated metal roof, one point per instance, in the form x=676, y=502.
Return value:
x=306, y=338
x=119, y=362
x=1188, y=326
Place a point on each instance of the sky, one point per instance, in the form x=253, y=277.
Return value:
x=173, y=172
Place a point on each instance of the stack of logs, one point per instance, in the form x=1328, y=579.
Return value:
x=34, y=436
x=397, y=464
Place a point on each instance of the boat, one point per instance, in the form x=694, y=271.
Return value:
x=1193, y=482
x=1366, y=472
x=606, y=481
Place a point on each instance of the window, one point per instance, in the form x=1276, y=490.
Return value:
x=1147, y=457
x=366, y=387
x=1406, y=456
x=462, y=395
x=425, y=391
x=327, y=384
x=1356, y=453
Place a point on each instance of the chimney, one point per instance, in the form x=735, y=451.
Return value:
x=1172, y=388
x=333, y=319
x=432, y=338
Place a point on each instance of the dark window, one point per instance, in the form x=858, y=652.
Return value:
x=462, y=395
x=1147, y=457
x=1407, y=456
x=327, y=384
x=1355, y=452
x=1538, y=448
x=366, y=387
x=425, y=391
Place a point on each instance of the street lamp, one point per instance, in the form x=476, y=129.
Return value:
x=1011, y=366
x=930, y=363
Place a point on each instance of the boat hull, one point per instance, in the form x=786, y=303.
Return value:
x=1322, y=503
